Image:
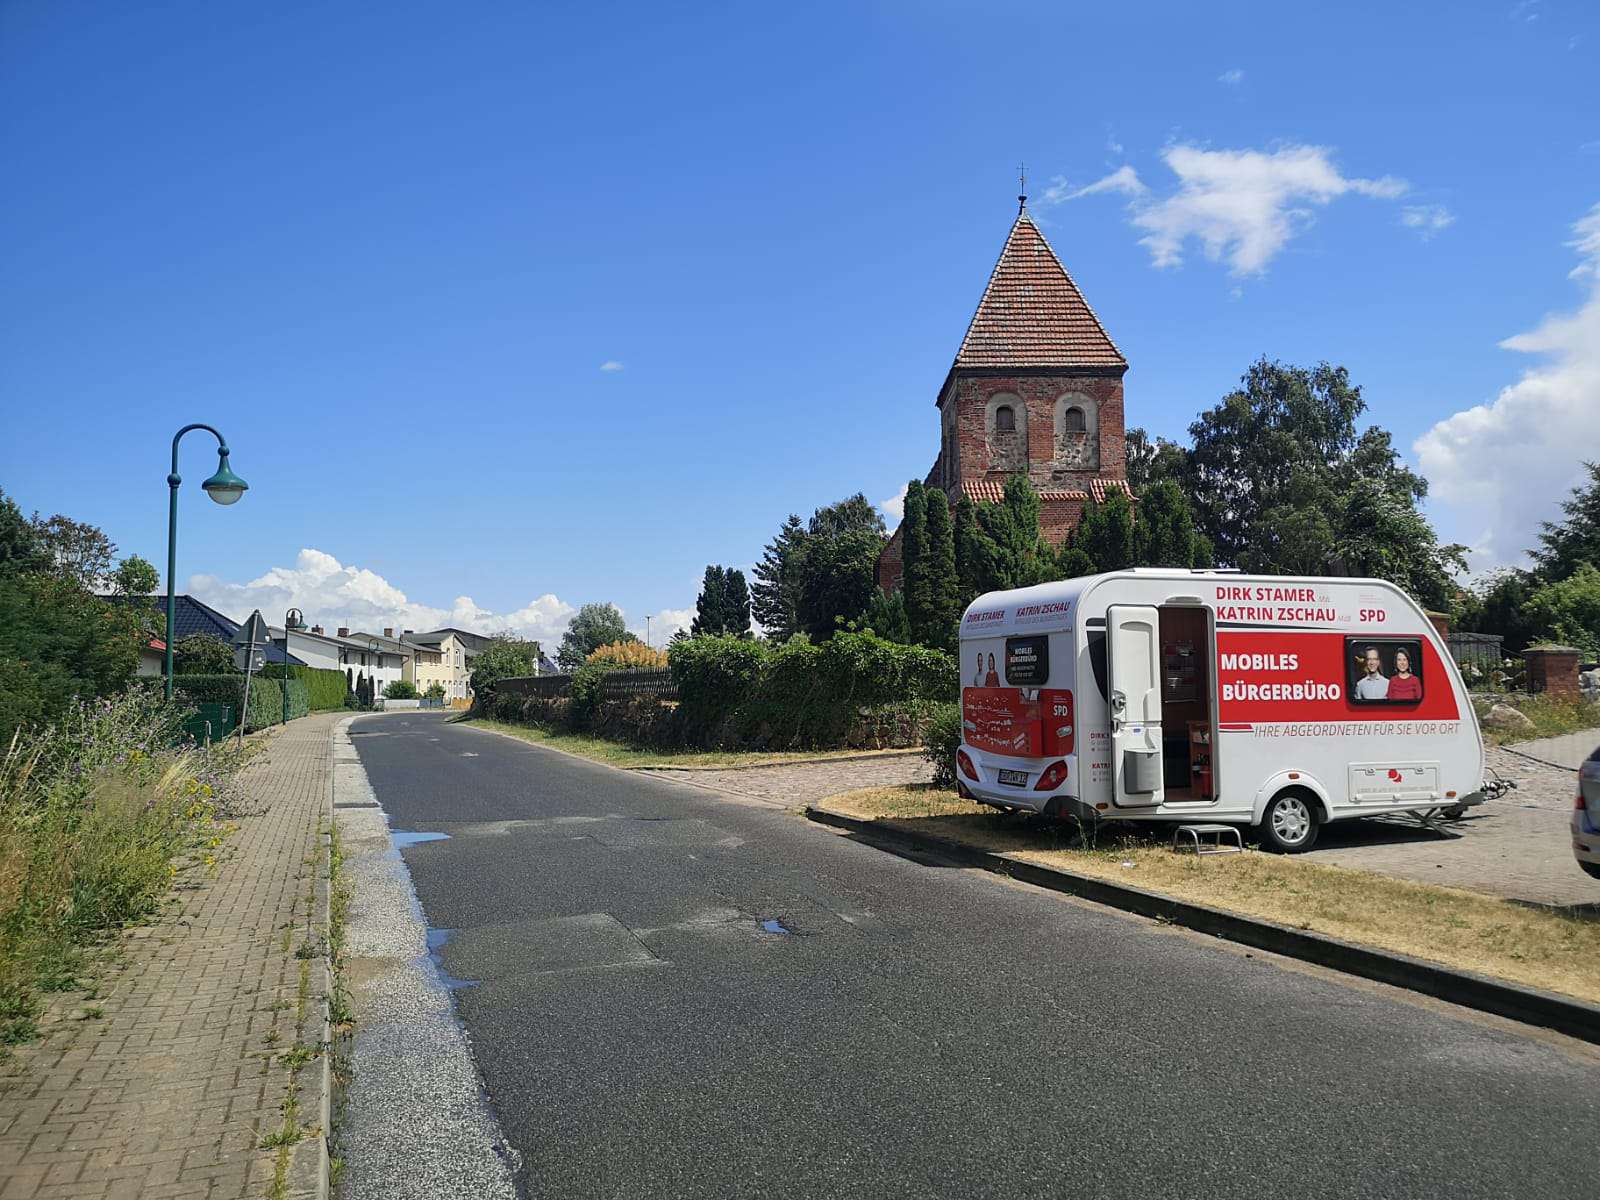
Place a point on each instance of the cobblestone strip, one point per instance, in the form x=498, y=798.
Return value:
x=173, y=1089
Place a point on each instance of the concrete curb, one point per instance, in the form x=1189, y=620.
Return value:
x=1575, y=1018
x=1543, y=762
x=309, y=1176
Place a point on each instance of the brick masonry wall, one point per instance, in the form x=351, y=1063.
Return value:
x=1038, y=393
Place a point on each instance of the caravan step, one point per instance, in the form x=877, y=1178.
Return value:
x=1196, y=844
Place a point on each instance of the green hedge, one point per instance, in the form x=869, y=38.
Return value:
x=734, y=691
x=266, y=696
x=326, y=688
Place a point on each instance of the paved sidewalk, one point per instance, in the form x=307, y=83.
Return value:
x=170, y=1091
x=1569, y=750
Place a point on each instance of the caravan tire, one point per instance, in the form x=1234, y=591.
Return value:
x=1289, y=823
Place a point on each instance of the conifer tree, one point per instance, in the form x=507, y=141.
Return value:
x=735, y=603
x=775, y=598
x=708, y=606
x=916, y=579
x=1105, y=533
x=944, y=586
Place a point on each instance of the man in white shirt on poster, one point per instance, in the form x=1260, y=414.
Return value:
x=1372, y=685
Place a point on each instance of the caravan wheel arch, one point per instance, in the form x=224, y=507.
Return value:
x=1285, y=781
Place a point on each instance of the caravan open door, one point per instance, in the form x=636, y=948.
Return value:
x=1133, y=662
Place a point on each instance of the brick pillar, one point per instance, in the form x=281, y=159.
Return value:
x=1553, y=670
x=1441, y=622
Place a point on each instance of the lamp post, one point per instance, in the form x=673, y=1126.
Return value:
x=293, y=620
x=224, y=487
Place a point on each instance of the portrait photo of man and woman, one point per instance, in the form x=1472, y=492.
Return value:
x=1385, y=671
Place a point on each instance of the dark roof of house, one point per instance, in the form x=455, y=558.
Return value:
x=191, y=616
x=472, y=641
x=1032, y=313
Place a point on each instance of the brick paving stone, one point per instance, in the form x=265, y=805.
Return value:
x=169, y=1091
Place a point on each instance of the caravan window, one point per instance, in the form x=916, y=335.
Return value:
x=1384, y=670
x=1096, y=629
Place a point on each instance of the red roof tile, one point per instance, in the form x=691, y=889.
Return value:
x=992, y=491
x=1032, y=314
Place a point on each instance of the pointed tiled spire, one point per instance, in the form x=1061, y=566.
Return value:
x=1032, y=314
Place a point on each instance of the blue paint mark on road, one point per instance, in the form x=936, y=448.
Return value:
x=407, y=837
x=437, y=939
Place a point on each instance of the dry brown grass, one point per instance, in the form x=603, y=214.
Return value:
x=1457, y=928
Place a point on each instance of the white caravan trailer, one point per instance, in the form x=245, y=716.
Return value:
x=1158, y=694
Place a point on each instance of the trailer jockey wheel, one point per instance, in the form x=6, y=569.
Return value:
x=1289, y=823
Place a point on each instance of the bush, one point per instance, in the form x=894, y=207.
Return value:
x=326, y=688
x=940, y=741
x=201, y=654
x=736, y=692
x=1568, y=612
x=435, y=691
x=93, y=812
x=633, y=656
x=266, y=696
x=715, y=676
x=400, y=689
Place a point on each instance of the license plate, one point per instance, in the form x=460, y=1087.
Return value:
x=1014, y=778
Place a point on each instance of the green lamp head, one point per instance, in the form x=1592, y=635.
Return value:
x=224, y=487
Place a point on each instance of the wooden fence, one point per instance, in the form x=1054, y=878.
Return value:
x=618, y=685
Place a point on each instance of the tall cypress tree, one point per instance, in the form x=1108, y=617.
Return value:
x=975, y=553
x=916, y=574
x=944, y=586
x=735, y=603
x=709, y=615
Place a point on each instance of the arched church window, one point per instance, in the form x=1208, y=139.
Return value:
x=1073, y=421
x=1005, y=419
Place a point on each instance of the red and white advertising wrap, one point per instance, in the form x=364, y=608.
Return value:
x=1211, y=696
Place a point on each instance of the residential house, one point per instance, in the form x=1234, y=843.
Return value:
x=455, y=649
x=190, y=617
x=383, y=658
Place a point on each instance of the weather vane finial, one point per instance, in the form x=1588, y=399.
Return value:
x=1022, y=191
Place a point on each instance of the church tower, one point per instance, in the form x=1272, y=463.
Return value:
x=1035, y=389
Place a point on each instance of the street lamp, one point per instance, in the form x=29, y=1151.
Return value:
x=293, y=620
x=225, y=488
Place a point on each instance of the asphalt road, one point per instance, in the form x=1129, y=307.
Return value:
x=920, y=1030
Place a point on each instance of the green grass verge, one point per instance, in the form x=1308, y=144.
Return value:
x=1551, y=718
x=618, y=754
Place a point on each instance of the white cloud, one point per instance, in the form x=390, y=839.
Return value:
x=663, y=625
x=1240, y=205
x=1231, y=78
x=612, y=364
x=895, y=506
x=1124, y=180
x=1427, y=219
x=1503, y=467
x=1112, y=145
x=332, y=594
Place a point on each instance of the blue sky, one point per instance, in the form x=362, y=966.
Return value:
x=390, y=250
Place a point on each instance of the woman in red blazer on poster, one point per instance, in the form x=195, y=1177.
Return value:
x=992, y=679
x=1403, y=685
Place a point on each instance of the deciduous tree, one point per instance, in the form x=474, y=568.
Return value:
x=593, y=625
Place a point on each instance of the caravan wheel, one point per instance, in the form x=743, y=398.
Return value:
x=1289, y=823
